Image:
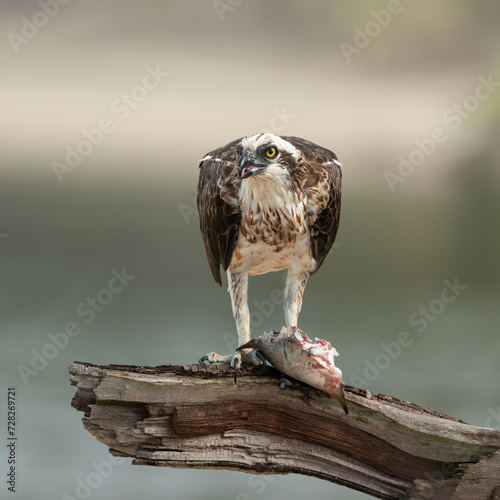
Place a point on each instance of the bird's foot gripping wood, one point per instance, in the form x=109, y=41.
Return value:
x=248, y=356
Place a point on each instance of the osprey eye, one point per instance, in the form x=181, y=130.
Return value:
x=271, y=152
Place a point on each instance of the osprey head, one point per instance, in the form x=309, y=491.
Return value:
x=261, y=151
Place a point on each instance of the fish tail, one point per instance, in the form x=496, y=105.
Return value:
x=249, y=345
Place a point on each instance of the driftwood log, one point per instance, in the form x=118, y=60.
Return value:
x=196, y=417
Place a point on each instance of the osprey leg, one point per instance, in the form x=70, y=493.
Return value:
x=238, y=290
x=294, y=290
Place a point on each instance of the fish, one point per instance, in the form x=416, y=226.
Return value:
x=294, y=354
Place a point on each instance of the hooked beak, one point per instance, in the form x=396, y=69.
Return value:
x=247, y=165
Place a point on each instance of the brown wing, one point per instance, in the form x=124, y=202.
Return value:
x=324, y=230
x=219, y=220
x=322, y=182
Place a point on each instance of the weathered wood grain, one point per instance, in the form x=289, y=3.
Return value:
x=194, y=416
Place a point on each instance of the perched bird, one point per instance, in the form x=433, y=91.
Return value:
x=267, y=203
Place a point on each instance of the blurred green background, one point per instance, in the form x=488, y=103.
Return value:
x=236, y=68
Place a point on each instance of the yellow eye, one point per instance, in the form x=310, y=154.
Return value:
x=271, y=152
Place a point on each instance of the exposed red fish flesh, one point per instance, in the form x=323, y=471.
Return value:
x=294, y=354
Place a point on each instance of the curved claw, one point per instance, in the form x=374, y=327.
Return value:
x=235, y=368
x=262, y=358
x=235, y=363
x=202, y=360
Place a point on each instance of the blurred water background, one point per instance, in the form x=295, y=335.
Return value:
x=235, y=68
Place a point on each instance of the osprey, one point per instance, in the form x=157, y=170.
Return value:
x=267, y=203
